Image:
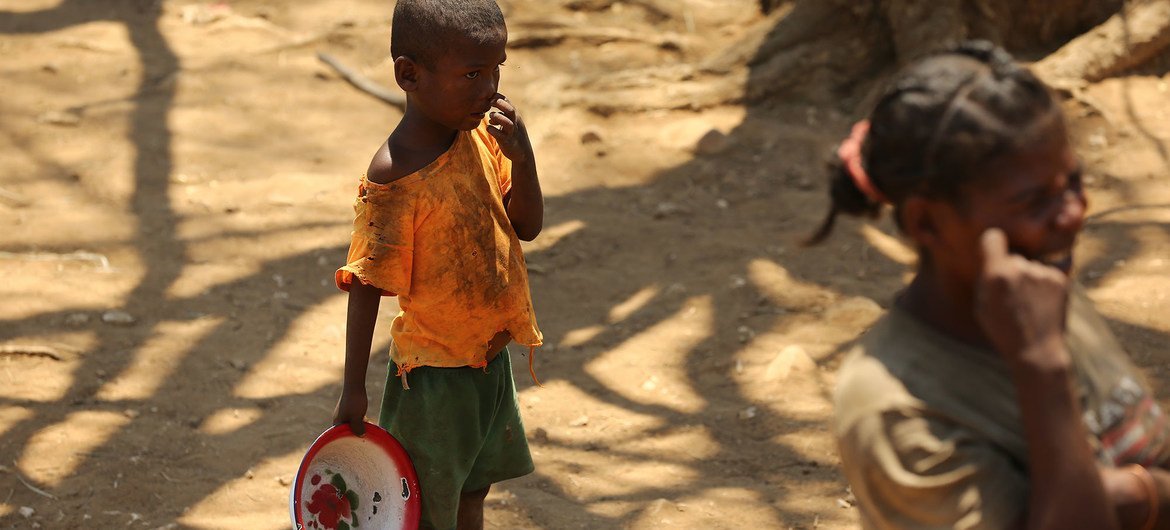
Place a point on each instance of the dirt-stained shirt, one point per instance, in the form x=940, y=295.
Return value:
x=930, y=433
x=440, y=240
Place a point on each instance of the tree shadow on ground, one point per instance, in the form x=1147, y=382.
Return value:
x=698, y=257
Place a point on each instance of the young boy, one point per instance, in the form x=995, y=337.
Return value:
x=439, y=216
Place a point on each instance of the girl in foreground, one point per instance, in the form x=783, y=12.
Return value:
x=992, y=395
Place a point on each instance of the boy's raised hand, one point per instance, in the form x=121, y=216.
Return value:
x=1021, y=305
x=508, y=129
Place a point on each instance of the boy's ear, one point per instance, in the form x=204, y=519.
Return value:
x=406, y=73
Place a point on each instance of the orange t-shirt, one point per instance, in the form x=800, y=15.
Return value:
x=440, y=240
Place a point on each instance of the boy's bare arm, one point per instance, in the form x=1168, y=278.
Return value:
x=359, y=336
x=525, y=202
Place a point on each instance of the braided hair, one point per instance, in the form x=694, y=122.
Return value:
x=938, y=126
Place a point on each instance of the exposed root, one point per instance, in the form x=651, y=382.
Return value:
x=657, y=9
x=1130, y=38
x=536, y=38
x=778, y=55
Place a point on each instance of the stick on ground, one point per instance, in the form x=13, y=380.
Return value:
x=362, y=82
x=32, y=488
x=30, y=350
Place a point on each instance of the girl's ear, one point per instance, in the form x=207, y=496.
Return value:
x=919, y=218
x=406, y=73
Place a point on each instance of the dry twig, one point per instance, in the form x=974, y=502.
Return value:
x=34, y=489
x=362, y=82
x=30, y=350
x=13, y=199
x=102, y=262
x=589, y=35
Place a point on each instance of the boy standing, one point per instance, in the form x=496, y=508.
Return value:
x=438, y=220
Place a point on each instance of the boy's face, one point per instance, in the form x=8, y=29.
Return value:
x=460, y=87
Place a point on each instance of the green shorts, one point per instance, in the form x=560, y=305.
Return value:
x=461, y=428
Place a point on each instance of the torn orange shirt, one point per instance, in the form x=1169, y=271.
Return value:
x=440, y=240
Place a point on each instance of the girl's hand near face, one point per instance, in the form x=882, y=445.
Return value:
x=1021, y=306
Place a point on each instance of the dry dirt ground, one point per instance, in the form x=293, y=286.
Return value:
x=175, y=193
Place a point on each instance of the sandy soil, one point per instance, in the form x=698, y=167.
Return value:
x=175, y=193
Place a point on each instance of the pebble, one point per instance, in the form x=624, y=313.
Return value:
x=201, y=14
x=590, y=137
x=791, y=358
x=77, y=319
x=580, y=422
x=748, y=413
x=852, y=309
x=64, y=119
x=27, y=511
x=745, y=333
x=713, y=143
x=666, y=209
x=658, y=506
x=118, y=318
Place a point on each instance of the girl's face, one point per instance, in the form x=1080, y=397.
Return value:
x=1034, y=196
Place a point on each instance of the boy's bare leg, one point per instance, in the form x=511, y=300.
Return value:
x=471, y=509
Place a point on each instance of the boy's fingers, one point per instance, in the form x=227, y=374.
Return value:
x=358, y=427
x=504, y=105
x=994, y=245
x=496, y=133
x=504, y=123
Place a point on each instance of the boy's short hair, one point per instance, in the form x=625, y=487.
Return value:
x=423, y=29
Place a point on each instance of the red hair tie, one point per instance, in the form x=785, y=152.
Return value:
x=850, y=154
